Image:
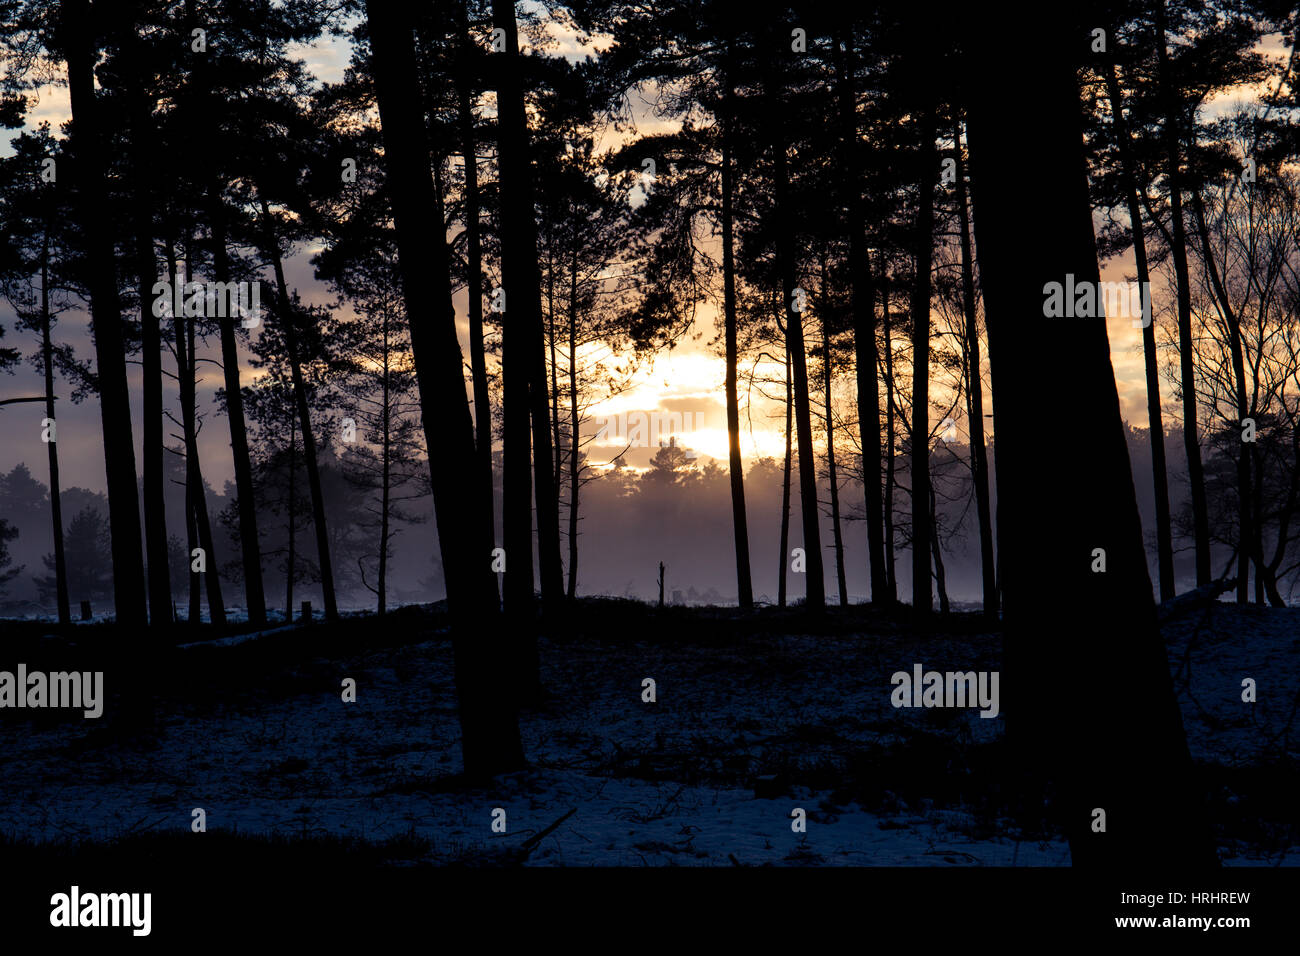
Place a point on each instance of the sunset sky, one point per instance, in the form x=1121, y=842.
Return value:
x=687, y=379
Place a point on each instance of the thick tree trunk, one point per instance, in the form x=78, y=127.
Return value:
x=271, y=249
x=1186, y=347
x=129, y=597
x=923, y=237
x=864, y=336
x=489, y=725
x=523, y=291
x=249, y=540
x=739, y=519
x=1078, y=641
x=1155, y=416
x=979, y=464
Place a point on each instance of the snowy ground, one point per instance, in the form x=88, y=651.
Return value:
x=742, y=733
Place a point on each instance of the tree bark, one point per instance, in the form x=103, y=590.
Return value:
x=56, y=507
x=489, y=725
x=1078, y=642
x=864, y=336
x=129, y=598
x=523, y=297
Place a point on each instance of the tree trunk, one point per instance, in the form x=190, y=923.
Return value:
x=785, y=486
x=940, y=574
x=186, y=370
x=832, y=476
x=288, y=318
x=739, y=519
x=489, y=725
x=864, y=332
x=922, y=593
x=381, y=584
x=146, y=269
x=979, y=464
x=129, y=597
x=292, y=566
x=56, y=507
x=1155, y=416
x=1246, y=538
x=523, y=296
x=1070, y=704
x=795, y=348
x=891, y=571
x=474, y=257
x=575, y=463
x=1186, y=347
x=249, y=540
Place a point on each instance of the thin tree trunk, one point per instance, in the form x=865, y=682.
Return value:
x=795, y=348
x=785, y=486
x=249, y=540
x=56, y=507
x=1155, y=416
x=575, y=464
x=1126, y=753
x=891, y=481
x=288, y=321
x=739, y=519
x=293, y=517
x=380, y=586
x=922, y=594
x=940, y=575
x=975, y=418
x=129, y=596
x=474, y=257
x=1186, y=347
x=146, y=268
x=1245, y=533
x=489, y=725
x=833, y=477
x=186, y=371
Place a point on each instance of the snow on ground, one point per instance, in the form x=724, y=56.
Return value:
x=704, y=776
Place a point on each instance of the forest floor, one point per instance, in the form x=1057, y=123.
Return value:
x=753, y=719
